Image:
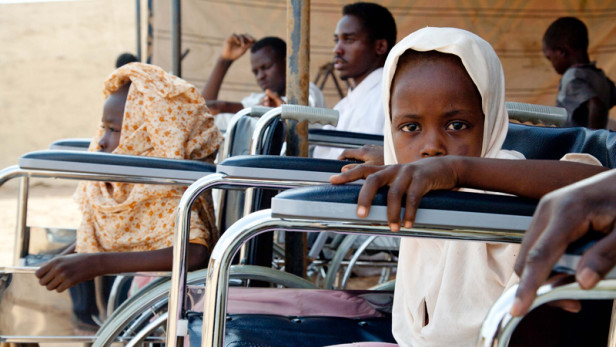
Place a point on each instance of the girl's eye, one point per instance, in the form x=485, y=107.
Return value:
x=410, y=127
x=457, y=126
x=114, y=130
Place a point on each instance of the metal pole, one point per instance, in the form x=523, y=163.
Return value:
x=298, y=66
x=138, y=25
x=22, y=236
x=150, y=34
x=176, y=38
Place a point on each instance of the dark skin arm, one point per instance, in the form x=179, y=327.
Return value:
x=562, y=217
x=66, y=271
x=219, y=106
x=597, y=114
x=234, y=47
x=527, y=178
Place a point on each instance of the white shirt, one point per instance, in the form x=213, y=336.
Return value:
x=361, y=111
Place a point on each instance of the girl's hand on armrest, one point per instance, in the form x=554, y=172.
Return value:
x=413, y=180
x=66, y=271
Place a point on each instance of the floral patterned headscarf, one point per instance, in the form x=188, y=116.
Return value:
x=164, y=117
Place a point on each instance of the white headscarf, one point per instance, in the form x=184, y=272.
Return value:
x=481, y=63
x=456, y=281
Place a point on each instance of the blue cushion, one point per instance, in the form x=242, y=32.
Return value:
x=280, y=331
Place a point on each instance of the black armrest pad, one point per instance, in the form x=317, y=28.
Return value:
x=277, y=167
x=344, y=137
x=96, y=162
x=438, y=200
x=79, y=144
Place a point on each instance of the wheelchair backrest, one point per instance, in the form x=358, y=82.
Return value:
x=553, y=143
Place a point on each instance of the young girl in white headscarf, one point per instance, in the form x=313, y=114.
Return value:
x=444, y=93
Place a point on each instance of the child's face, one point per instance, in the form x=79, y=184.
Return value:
x=436, y=111
x=113, y=114
x=556, y=57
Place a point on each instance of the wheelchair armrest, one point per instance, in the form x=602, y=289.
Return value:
x=343, y=138
x=281, y=168
x=438, y=209
x=73, y=144
x=114, y=164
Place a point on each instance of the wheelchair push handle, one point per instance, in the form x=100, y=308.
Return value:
x=311, y=114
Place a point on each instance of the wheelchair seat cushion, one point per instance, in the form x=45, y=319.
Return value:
x=282, y=331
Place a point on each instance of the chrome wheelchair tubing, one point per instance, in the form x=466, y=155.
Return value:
x=262, y=221
x=180, y=241
x=255, y=111
x=499, y=325
x=21, y=234
x=143, y=333
x=22, y=238
x=354, y=259
x=262, y=125
x=47, y=339
x=14, y=172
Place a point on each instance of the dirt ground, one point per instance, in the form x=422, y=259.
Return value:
x=54, y=59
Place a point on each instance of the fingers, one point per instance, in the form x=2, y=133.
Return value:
x=541, y=218
x=247, y=39
x=395, y=194
x=413, y=196
x=348, y=167
x=350, y=153
x=368, y=191
x=356, y=173
x=597, y=262
x=369, y=154
x=538, y=260
x=49, y=277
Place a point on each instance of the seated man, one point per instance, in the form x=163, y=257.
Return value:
x=364, y=35
x=268, y=62
x=584, y=90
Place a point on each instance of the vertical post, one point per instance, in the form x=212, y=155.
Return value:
x=150, y=35
x=298, y=65
x=176, y=37
x=138, y=27
x=22, y=237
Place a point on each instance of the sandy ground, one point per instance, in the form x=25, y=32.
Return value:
x=54, y=59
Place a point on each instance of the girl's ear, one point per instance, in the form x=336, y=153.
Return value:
x=380, y=46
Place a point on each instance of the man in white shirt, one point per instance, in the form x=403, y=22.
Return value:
x=268, y=63
x=364, y=35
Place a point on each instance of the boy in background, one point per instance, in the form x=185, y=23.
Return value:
x=584, y=90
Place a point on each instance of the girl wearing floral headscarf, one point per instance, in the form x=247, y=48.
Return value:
x=129, y=227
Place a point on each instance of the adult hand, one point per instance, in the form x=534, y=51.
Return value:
x=562, y=217
x=271, y=99
x=66, y=271
x=369, y=154
x=236, y=45
x=414, y=180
